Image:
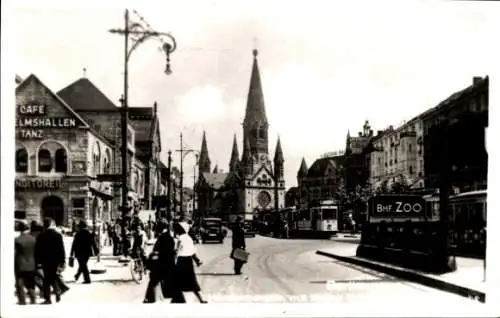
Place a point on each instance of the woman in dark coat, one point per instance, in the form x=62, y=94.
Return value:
x=184, y=269
x=162, y=266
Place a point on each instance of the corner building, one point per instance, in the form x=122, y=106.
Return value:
x=57, y=156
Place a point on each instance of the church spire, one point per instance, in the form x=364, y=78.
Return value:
x=255, y=111
x=303, y=169
x=278, y=154
x=279, y=169
x=204, y=160
x=235, y=156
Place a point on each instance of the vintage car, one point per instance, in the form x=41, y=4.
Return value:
x=211, y=230
x=249, y=228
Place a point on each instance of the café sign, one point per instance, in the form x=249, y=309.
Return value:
x=31, y=120
x=38, y=183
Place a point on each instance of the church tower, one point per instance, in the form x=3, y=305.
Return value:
x=204, y=160
x=255, y=125
x=235, y=156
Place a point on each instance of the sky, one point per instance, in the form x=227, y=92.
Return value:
x=325, y=66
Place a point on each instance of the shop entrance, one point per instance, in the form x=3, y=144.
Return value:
x=53, y=207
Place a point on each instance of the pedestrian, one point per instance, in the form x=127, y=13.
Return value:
x=51, y=257
x=188, y=225
x=161, y=265
x=238, y=242
x=35, y=229
x=185, y=275
x=24, y=265
x=82, y=249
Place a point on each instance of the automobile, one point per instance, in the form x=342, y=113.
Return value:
x=212, y=230
x=249, y=229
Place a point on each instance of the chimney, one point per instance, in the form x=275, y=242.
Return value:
x=360, y=134
x=380, y=132
x=391, y=128
x=371, y=132
x=476, y=80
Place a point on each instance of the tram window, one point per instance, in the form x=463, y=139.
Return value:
x=329, y=214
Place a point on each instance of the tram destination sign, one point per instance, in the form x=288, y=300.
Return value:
x=397, y=206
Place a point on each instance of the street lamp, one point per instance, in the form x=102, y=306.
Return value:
x=138, y=32
x=184, y=152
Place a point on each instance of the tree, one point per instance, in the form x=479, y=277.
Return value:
x=401, y=184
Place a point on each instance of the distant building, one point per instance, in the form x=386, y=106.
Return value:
x=357, y=158
x=398, y=154
x=320, y=182
x=292, y=197
x=465, y=115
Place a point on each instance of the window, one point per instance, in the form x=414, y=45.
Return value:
x=411, y=170
x=254, y=133
x=61, y=160
x=97, y=159
x=136, y=182
x=79, y=207
x=44, y=161
x=262, y=133
x=22, y=160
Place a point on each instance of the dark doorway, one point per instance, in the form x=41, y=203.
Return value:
x=53, y=207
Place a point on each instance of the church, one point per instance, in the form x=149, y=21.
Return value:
x=255, y=182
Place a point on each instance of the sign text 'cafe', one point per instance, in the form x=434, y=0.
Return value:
x=31, y=121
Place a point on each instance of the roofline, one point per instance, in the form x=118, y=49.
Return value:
x=58, y=98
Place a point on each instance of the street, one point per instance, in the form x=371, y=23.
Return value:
x=277, y=271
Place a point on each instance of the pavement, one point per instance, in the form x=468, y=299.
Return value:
x=467, y=280
x=278, y=271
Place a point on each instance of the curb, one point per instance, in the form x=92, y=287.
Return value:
x=411, y=276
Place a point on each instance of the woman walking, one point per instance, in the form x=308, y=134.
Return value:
x=185, y=275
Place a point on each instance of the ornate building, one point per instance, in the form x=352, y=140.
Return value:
x=254, y=182
x=356, y=160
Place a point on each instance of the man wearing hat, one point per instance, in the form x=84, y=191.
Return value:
x=238, y=242
x=24, y=264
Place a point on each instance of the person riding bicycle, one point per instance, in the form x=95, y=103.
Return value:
x=139, y=243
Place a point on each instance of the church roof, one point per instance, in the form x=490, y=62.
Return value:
x=215, y=180
x=255, y=111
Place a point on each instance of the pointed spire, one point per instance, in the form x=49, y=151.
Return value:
x=235, y=155
x=278, y=155
x=246, y=151
x=204, y=159
x=303, y=168
x=255, y=111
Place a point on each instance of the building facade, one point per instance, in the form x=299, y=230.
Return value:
x=320, y=181
x=398, y=156
x=58, y=155
x=455, y=131
x=357, y=159
x=255, y=182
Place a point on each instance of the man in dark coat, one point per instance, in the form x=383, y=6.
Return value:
x=238, y=242
x=50, y=255
x=35, y=229
x=83, y=247
x=24, y=265
x=161, y=265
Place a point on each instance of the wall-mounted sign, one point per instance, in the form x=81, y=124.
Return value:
x=31, y=121
x=38, y=183
x=102, y=187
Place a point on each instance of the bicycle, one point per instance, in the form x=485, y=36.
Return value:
x=136, y=268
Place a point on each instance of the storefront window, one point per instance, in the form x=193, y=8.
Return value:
x=44, y=161
x=22, y=160
x=79, y=207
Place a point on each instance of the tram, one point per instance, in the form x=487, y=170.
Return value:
x=322, y=220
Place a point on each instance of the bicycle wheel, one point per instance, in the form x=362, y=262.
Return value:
x=136, y=270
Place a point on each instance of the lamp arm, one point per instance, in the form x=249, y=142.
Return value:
x=148, y=35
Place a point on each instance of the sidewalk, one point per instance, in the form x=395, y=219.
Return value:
x=467, y=280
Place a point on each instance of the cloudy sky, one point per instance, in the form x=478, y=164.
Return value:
x=326, y=66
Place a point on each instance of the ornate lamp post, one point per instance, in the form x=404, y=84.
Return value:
x=138, y=32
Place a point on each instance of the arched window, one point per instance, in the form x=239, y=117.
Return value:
x=97, y=159
x=255, y=133
x=22, y=160
x=262, y=133
x=44, y=161
x=61, y=160
x=107, y=162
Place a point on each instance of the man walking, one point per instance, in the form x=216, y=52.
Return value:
x=50, y=255
x=24, y=265
x=238, y=242
x=83, y=247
